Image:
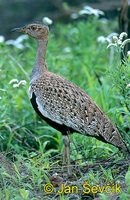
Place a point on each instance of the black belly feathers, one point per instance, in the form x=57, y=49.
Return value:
x=62, y=128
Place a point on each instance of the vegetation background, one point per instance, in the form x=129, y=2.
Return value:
x=30, y=149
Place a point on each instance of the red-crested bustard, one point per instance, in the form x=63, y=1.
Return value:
x=62, y=104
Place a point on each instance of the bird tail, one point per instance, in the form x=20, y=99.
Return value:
x=111, y=135
x=119, y=142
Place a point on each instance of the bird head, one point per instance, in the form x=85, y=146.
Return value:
x=37, y=31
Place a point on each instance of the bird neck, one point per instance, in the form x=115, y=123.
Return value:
x=40, y=63
x=41, y=53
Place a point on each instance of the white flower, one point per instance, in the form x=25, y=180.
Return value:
x=22, y=82
x=118, y=41
x=74, y=16
x=128, y=53
x=110, y=38
x=21, y=38
x=17, y=83
x=2, y=38
x=122, y=35
x=84, y=12
x=13, y=81
x=47, y=21
x=67, y=49
x=115, y=38
x=128, y=86
x=87, y=10
x=17, y=45
x=101, y=39
x=73, y=31
x=18, y=42
x=112, y=35
x=104, y=20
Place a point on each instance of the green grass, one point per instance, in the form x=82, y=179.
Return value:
x=74, y=53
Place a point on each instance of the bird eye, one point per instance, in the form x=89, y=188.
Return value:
x=33, y=28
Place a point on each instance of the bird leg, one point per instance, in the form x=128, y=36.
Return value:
x=66, y=156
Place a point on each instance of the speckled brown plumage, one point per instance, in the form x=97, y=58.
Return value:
x=66, y=104
x=61, y=103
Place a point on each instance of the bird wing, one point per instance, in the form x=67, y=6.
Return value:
x=66, y=104
x=62, y=101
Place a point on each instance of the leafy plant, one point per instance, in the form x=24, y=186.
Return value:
x=120, y=78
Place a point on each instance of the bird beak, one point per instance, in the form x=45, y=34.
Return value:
x=22, y=30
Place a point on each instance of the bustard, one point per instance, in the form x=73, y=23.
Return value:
x=62, y=104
